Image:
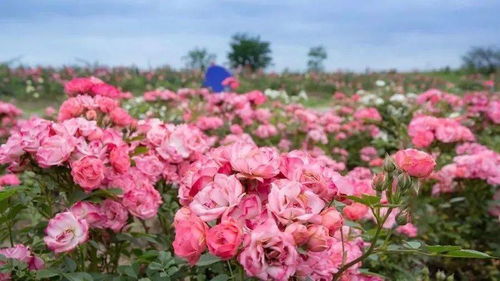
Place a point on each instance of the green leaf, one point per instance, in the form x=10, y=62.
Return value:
x=47, y=273
x=441, y=248
x=78, y=276
x=69, y=264
x=140, y=150
x=9, y=192
x=413, y=244
x=221, y=277
x=365, y=199
x=127, y=270
x=207, y=259
x=464, y=253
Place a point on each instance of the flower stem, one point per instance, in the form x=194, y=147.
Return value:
x=368, y=252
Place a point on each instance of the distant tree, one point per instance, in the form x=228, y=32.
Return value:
x=198, y=58
x=249, y=51
x=316, y=57
x=482, y=59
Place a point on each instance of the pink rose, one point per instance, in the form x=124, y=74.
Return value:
x=331, y=219
x=254, y=162
x=299, y=233
x=70, y=108
x=78, y=86
x=65, y=231
x=9, y=179
x=119, y=159
x=199, y=174
x=190, y=233
x=224, y=239
x=87, y=211
x=150, y=165
x=106, y=90
x=23, y=254
x=142, y=201
x=249, y=212
x=318, y=238
x=88, y=172
x=269, y=254
x=416, y=163
x=289, y=202
x=120, y=117
x=216, y=197
x=408, y=229
x=257, y=97
x=355, y=211
x=114, y=215
x=54, y=150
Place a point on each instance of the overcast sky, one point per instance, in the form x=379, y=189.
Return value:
x=379, y=34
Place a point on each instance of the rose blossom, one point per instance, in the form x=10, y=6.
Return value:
x=78, y=86
x=54, y=150
x=119, y=159
x=355, y=211
x=408, y=229
x=114, y=215
x=65, y=231
x=416, y=163
x=87, y=211
x=269, y=254
x=213, y=200
x=331, y=219
x=190, y=233
x=9, y=179
x=224, y=239
x=318, y=238
x=299, y=233
x=289, y=203
x=120, y=117
x=88, y=172
x=142, y=201
x=23, y=254
x=254, y=162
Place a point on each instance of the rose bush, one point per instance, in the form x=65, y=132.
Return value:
x=249, y=185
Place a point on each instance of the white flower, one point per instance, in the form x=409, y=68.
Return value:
x=370, y=99
x=382, y=135
x=454, y=115
x=272, y=93
x=380, y=83
x=303, y=95
x=411, y=95
x=398, y=98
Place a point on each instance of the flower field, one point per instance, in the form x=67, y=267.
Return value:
x=146, y=176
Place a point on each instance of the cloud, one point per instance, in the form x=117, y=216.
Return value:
x=357, y=34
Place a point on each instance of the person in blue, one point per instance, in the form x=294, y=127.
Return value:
x=214, y=76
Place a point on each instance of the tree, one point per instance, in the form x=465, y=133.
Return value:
x=249, y=52
x=198, y=58
x=482, y=59
x=316, y=57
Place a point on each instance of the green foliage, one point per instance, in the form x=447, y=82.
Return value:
x=199, y=59
x=249, y=51
x=316, y=57
x=482, y=59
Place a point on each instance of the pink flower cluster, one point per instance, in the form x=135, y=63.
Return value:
x=93, y=86
x=8, y=118
x=98, y=155
x=23, y=254
x=431, y=99
x=474, y=161
x=267, y=210
x=423, y=130
x=9, y=180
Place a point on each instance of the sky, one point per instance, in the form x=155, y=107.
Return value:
x=375, y=34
